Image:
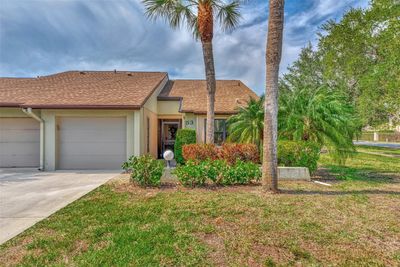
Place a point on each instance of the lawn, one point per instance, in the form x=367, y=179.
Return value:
x=381, y=150
x=355, y=222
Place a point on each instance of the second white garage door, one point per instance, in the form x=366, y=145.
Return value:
x=91, y=143
x=19, y=142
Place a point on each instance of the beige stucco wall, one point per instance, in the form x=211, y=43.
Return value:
x=151, y=118
x=168, y=108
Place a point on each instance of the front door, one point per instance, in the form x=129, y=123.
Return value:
x=169, y=129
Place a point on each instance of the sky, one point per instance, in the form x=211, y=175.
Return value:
x=41, y=37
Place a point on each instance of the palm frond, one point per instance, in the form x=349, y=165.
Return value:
x=175, y=12
x=228, y=15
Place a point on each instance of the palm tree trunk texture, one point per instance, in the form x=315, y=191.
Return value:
x=205, y=21
x=273, y=58
x=211, y=84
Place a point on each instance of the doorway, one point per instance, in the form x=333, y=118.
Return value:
x=167, y=135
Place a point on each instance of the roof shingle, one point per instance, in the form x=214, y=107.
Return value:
x=118, y=90
x=228, y=96
x=76, y=89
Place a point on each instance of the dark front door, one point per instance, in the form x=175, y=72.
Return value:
x=169, y=128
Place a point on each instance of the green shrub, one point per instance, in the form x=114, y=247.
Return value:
x=298, y=154
x=214, y=170
x=145, y=170
x=190, y=174
x=183, y=137
x=241, y=173
x=217, y=172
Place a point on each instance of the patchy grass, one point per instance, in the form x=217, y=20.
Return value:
x=353, y=223
x=376, y=149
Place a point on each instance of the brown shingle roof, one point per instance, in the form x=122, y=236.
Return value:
x=228, y=96
x=75, y=89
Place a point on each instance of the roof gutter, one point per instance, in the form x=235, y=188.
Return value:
x=28, y=111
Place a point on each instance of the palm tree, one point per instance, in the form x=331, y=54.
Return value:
x=248, y=124
x=273, y=58
x=319, y=115
x=199, y=16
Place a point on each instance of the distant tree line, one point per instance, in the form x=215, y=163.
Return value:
x=358, y=59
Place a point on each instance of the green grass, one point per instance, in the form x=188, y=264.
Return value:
x=369, y=168
x=382, y=150
x=353, y=223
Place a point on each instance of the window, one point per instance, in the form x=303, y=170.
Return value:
x=219, y=131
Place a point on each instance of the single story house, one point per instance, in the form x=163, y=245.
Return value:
x=98, y=119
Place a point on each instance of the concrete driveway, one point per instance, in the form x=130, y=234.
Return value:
x=28, y=196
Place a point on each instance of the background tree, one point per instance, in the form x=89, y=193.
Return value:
x=312, y=109
x=273, y=59
x=360, y=55
x=321, y=116
x=247, y=126
x=199, y=17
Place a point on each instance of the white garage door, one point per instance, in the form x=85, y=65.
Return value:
x=91, y=143
x=19, y=142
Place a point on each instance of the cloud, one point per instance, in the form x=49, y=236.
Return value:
x=42, y=37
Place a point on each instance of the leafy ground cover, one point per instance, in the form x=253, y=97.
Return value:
x=355, y=222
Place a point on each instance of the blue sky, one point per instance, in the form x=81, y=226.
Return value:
x=40, y=37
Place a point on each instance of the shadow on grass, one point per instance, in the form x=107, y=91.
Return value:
x=343, y=173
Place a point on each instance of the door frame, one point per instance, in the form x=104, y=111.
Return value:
x=161, y=123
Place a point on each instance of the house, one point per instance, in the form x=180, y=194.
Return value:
x=97, y=119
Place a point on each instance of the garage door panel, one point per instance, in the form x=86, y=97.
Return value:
x=13, y=161
x=19, y=142
x=92, y=143
x=20, y=136
x=93, y=162
x=21, y=148
x=92, y=148
x=91, y=136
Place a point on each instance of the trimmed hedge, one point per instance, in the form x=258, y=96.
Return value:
x=298, y=154
x=145, y=170
x=230, y=152
x=200, y=152
x=218, y=172
x=183, y=137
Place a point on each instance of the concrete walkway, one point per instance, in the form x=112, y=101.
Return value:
x=28, y=196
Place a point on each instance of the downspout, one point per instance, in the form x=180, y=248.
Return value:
x=28, y=111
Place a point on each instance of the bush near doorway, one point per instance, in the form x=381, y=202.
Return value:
x=183, y=137
x=145, y=170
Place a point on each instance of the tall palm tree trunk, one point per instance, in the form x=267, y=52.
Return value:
x=205, y=26
x=211, y=84
x=273, y=58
